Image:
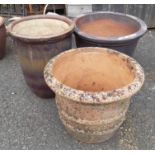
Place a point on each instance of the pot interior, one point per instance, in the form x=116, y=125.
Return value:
x=40, y=27
x=107, y=25
x=92, y=70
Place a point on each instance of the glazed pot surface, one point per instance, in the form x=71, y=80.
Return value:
x=37, y=39
x=90, y=114
x=109, y=29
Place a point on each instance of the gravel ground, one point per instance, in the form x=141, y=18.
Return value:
x=29, y=122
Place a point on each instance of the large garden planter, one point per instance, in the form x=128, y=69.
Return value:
x=109, y=29
x=93, y=88
x=37, y=39
x=2, y=38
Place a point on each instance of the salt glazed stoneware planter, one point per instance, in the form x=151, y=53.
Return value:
x=109, y=29
x=93, y=88
x=2, y=38
x=37, y=39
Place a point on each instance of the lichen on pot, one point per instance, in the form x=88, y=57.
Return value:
x=93, y=88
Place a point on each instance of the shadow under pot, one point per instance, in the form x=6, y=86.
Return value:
x=93, y=88
x=109, y=29
x=37, y=39
x=2, y=38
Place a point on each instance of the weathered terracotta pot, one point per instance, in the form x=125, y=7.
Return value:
x=109, y=29
x=37, y=39
x=93, y=88
x=2, y=38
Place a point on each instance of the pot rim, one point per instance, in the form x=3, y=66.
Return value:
x=95, y=97
x=141, y=31
x=43, y=37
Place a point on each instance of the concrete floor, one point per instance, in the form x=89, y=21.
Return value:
x=28, y=122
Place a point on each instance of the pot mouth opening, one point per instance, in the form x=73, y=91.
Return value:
x=109, y=26
x=93, y=71
x=41, y=27
x=132, y=80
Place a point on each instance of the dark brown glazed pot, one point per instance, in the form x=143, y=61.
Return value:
x=34, y=53
x=125, y=44
x=2, y=38
x=92, y=116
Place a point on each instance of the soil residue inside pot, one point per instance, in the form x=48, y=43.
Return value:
x=92, y=71
x=107, y=28
x=40, y=27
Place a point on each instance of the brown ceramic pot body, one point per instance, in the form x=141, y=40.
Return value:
x=125, y=44
x=35, y=53
x=93, y=117
x=2, y=38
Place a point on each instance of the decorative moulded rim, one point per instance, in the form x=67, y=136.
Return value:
x=95, y=97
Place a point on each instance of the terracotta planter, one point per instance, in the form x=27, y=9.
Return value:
x=93, y=93
x=109, y=29
x=2, y=38
x=37, y=39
